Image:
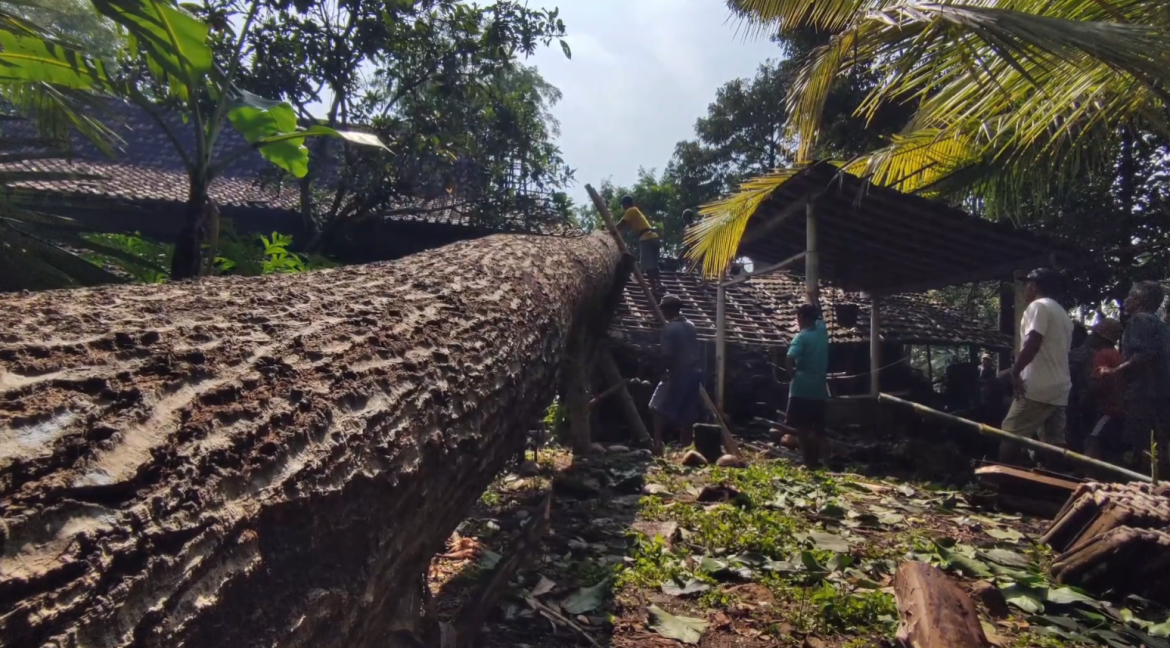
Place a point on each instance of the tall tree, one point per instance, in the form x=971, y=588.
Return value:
x=422, y=74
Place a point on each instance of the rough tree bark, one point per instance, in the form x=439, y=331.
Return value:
x=268, y=461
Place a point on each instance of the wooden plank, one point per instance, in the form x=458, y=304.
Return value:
x=934, y=611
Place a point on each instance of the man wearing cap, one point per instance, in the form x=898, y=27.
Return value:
x=1094, y=402
x=1040, y=375
x=648, y=242
x=675, y=402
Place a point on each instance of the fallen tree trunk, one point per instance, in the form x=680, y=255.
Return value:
x=934, y=612
x=269, y=461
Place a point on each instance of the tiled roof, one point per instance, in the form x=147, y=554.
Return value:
x=146, y=165
x=139, y=183
x=148, y=168
x=762, y=312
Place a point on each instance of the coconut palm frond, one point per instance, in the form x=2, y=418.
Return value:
x=965, y=60
x=714, y=240
x=828, y=15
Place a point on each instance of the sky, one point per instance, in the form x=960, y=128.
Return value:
x=642, y=72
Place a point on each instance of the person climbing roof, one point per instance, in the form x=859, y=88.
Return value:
x=648, y=242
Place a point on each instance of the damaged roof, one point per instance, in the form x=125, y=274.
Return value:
x=762, y=313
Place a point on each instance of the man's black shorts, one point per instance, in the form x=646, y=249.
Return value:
x=806, y=413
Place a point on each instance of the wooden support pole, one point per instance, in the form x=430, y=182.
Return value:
x=1007, y=321
x=875, y=345
x=623, y=384
x=720, y=344
x=812, y=257
x=729, y=442
x=612, y=374
x=1021, y=305
x=930, y=367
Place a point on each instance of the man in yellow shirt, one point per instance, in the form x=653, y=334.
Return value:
x=648, y=241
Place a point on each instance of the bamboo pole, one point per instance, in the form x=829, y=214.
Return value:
x=729, y=442
x=1040, y=446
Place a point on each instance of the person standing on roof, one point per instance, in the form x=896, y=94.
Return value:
x=649, y=244
x=808, y=367
x=1040, y=375
x=675, y=402
x=1145, y=349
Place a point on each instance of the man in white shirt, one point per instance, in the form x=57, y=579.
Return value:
x=1040, y=375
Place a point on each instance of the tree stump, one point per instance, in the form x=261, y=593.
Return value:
x=269, y=461
x=935, y=612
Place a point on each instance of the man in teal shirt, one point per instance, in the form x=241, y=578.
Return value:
x=808, y=364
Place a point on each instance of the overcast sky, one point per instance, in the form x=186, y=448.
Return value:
x=642, y=71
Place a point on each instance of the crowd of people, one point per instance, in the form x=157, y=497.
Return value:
x=1108, y=395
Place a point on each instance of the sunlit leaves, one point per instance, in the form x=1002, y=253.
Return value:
x=172, y=39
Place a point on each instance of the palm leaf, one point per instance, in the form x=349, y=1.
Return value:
x=967, y=61
x=28, y=54
x=714, y=240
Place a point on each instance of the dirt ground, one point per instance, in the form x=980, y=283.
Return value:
x=646, y=552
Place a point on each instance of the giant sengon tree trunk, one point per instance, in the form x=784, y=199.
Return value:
x=268, y=461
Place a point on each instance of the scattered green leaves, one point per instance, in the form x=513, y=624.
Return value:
x=586, y=599
x=680, y=628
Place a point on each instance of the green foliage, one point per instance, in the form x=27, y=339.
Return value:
x=144, y=260
x=465, y=119
x=259, y=255
x=841, y=609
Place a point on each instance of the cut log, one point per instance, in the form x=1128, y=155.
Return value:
x=934, y=611
x=269, y=461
